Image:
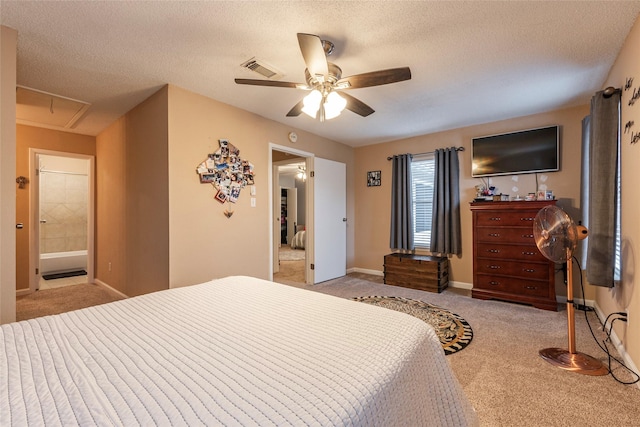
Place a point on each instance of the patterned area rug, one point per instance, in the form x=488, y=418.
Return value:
x=454, y=332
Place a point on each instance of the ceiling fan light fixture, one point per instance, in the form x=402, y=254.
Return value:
x=312, y=103
x=334, y=105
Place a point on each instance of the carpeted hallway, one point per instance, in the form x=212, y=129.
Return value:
x=62, y=299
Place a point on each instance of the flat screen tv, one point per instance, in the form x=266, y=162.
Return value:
x=527, y=151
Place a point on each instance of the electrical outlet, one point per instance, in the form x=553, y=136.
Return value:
x=253, y=202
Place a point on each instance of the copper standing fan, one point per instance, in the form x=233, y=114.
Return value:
x=556, y=236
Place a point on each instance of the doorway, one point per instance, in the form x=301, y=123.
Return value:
x=61, y=249
x=325, y=214
x=291, y=251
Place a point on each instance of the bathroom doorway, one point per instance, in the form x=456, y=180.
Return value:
x=61, y=242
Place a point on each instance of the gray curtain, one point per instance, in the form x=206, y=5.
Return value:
x=603, y=179
x=445, y=226
x=401, y=204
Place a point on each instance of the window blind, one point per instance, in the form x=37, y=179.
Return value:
x=422, y=174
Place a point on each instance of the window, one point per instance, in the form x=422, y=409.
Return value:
x=422, y=174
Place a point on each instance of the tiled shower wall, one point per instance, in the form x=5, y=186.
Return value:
x=63, y=205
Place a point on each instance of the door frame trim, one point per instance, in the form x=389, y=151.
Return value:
x=34, y=214
x=309, y=202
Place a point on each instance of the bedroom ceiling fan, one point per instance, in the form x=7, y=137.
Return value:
x=556, y=236
x=327, y=98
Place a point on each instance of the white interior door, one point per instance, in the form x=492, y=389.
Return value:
x=329, y=219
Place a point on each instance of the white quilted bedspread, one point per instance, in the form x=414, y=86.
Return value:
x=233, y=351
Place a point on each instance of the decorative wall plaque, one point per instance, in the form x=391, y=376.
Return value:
x=227, y=172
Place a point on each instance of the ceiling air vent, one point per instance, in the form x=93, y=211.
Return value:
x=262, y=68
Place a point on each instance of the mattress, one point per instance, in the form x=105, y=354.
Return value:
x=237, y=351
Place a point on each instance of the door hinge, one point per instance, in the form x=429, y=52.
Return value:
x=37, y=270
x=312, y=174
x=313, y=266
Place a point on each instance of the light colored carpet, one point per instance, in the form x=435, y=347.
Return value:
x=290, y=272
x=61, y=300
x=501, y=372
x=285, y=253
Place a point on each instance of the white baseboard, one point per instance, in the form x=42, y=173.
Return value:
x=365, y=271
x=21, y=292
x=617, y=343
x=561, y=299
x=104, y=285
x=461, y=285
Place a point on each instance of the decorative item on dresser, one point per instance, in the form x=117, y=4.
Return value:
x=426, y=273
x=507, y=264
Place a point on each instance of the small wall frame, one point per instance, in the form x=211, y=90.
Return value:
x=374, y=178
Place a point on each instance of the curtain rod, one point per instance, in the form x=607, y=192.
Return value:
x=430, y=152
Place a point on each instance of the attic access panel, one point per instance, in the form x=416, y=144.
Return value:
x=38, y=108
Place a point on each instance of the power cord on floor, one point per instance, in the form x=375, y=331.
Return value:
x=622, y=316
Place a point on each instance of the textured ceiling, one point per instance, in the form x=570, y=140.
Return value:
x=472, y=62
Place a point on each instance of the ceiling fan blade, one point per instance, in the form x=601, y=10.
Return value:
x=357, y=106
x=313, y=54
x=270, y=83
x=296, y=110
x=375, y=78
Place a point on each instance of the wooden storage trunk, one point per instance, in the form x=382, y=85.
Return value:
x=426, y=273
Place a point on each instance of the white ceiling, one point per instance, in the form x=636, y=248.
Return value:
x=472, y=62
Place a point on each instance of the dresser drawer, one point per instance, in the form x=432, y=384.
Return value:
x=509, y=285
x=505, y=219
x=525, y=270
x=517, y=252
x=498, y=234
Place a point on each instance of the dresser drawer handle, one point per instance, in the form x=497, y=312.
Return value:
x=494, y=234
x=494, y=283
x=528, y=236
x=493, y=251
x=529, y=270
x=531, y=287
x=528, y=253
x=495, y=267
x=495, y=218
x=526, y=219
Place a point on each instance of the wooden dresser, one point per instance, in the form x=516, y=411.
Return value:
x=426, y=273
x=507, y=265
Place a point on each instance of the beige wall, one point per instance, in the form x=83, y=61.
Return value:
x=46, y=139
x=132, y=226
x=204, y=244
x=373, y=203
x=8, y=43
x=626, y=296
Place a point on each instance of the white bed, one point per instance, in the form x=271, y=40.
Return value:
x=233, y=351
x=299, y=240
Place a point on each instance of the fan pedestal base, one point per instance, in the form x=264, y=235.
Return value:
x=574, y=362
